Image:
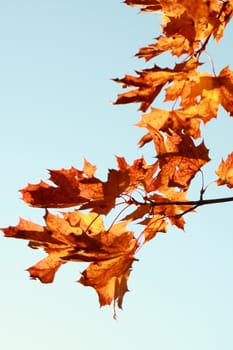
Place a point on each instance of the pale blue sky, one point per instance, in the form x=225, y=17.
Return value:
x=56, y=62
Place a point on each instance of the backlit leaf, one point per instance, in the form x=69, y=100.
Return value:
x=225, y=172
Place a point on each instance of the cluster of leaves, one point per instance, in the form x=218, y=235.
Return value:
x=153, y=195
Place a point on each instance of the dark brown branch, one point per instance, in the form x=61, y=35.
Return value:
x=196, y=203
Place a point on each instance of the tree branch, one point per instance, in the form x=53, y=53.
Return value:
x=196, y=203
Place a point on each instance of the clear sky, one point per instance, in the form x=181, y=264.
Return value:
x=56, y=64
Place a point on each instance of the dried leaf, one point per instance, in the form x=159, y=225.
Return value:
x=225, y=172
x=89, y=169
x=77, y=236
x=148, y=85
x=179, y=158
x=177, y=120
x=109, y=278
x=156, y=224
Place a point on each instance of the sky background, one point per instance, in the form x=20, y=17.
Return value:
x=57, y=59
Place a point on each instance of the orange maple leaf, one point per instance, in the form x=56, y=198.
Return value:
x=82, y=237
x=225, y=172
x=109, y=279
x=179, y=37
x=179, y=158
x=178, y=120
x=147, y=87
x=154, y=225
x=150, y=82
x=202, y=90
x=200, y=10
x=173, y=212
x=117, y=182
x=64, y=193
x=140, y=173
x=73, y=187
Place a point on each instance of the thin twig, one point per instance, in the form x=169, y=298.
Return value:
x=118, y=215
x=92, y=222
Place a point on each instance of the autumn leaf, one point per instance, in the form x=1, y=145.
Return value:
x=46, y=268
x=178, y=45
x=199, y=10
x=173, y=212
x=222, y=19
x=82, y=237
x=140, y=173
x=179, y=37
x=177, y=120
x=30, y=231
x=88, y=169
x=179, y=158
x=154, y=225
x=202, y=90
x=148, y=5
x=225, y=172
x=151, y=81
x=225, y=81
x=146, y=89
x=109, y=276
x=73, y=187
x=109, y=279
x=116, y=183
x=64, y=192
